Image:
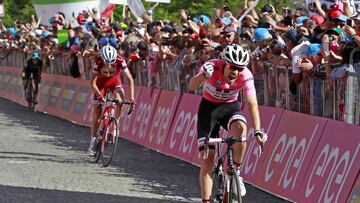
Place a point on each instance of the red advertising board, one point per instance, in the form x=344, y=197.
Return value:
x=252, y=163
x=290, y=152
x=182, y=140
x=144, y=111
x=162, y=119
x=335, y=165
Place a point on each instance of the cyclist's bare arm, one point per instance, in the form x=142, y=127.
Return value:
x=251, y=100
x=196, y=82
x=131, y=84
x=93, y=85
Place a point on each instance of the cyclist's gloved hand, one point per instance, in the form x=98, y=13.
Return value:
x=208, y=69
x=133, y=104
x=261, y=138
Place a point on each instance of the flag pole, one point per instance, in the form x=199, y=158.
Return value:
x=124, y=9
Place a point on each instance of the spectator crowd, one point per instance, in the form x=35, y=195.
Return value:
x=315, y=45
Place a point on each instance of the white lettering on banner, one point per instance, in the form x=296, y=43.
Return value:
x=248, y=166
x=142, y=117
x=322, y=163
x=289, y=146
x=125, y=119
x=190, y=133
x=161, y=122
x=184, y=120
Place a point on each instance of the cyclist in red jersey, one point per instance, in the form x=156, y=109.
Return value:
x=222, y=80
x=106, y=75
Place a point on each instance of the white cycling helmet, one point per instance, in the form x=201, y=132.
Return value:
x=236, y=55
x=108, y=54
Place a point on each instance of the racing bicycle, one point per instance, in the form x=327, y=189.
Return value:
x=226, y=177
x=108, y=132
x=30, y=95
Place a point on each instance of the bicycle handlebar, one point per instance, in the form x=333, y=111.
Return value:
x=117, y=101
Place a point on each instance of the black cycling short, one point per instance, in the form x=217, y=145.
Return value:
x=222, y=114
x=35, y=71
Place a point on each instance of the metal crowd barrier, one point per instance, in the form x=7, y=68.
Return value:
x=337, y=99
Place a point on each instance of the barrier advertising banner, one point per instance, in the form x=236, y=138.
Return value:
x=334, y=166
x=125, y=119
x=292, y=148
x=182, y=140
x=162, y=119
x=252, y=163
x=144, y=111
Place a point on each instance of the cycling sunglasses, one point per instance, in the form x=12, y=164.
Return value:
x=234, y=67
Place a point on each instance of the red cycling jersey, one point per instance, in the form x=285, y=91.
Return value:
x=108, y=78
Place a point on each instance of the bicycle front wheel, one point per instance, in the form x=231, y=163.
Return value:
x=234, y=188
x=217, y=192
x=109, y=142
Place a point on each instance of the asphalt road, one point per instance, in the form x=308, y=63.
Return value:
x=43, y=159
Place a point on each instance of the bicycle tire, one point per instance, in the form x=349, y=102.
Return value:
x=30, y=96
x=217, y=191
x=109, y=142
x=234, y=190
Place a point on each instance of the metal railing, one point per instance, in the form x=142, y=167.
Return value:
x=336, y=99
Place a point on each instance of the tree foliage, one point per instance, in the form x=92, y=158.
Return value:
x=17, y=10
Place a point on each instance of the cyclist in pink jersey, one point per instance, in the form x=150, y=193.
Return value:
x=222, y=80
x=106, y=76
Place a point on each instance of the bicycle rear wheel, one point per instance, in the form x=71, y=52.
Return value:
x=109, y=142
x=30, y=96
x=233, y=188
x=217, y=192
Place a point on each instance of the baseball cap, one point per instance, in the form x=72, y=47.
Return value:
x=318, y=19
x=202, y=18
x=300, y=20
x=293, y=35
x=313, y=49
x=261, y=34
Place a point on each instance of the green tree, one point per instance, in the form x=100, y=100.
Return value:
x=17, y=10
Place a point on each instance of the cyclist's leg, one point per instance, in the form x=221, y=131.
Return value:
x=203, y=129
x=235, y=123
x=119, y=94
x=36, y=77
x=26, y=77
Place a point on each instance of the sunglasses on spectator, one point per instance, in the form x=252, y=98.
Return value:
x=234, y=67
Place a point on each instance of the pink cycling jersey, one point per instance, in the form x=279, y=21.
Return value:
x=216, y=89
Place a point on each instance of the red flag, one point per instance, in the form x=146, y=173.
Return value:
x=106, y=13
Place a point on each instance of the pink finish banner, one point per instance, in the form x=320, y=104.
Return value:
x=334, y=166
x=182, y=140
x=143, y=114
x=252, y=163
x=290, y=152
x=162, y=119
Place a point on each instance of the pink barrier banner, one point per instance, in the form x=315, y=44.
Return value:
x=289, y=154
x=252, y=163
x=163, y=117
x=334, y=166
x=125, y=119
x=355, y=192
x=182, y=140
x=143, y=114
